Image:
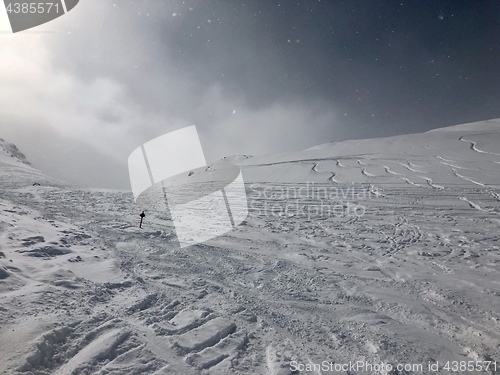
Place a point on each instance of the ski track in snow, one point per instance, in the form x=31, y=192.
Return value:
x=432, y=185
x=467, y=178
x=365, y=173
x=388, y=171
x=410, y=168
x=330, y=178
x=473, y=146
x=472, y=204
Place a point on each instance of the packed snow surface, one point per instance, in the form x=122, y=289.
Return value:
x=384, y=251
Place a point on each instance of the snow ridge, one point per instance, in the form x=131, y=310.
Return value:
x=10, y=150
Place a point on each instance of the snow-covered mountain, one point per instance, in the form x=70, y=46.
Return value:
x=384, y=251
x=10, y=150
x=457, y=155
x=16, y=171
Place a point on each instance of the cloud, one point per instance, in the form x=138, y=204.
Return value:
x=232, y=128
x=105, y=80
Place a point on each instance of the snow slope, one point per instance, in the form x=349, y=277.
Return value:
x=464, y=154
x=410, y=276
x=10, y=150
x=17, y=171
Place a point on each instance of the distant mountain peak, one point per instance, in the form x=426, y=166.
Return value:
x=11, y=150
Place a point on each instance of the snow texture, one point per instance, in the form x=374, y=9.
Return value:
x=415, y=278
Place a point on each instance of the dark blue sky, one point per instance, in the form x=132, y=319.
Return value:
x=391, y=66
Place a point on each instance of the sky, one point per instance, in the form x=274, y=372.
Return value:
x=80, y=93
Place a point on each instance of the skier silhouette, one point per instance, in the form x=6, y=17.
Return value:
x=142, y=215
